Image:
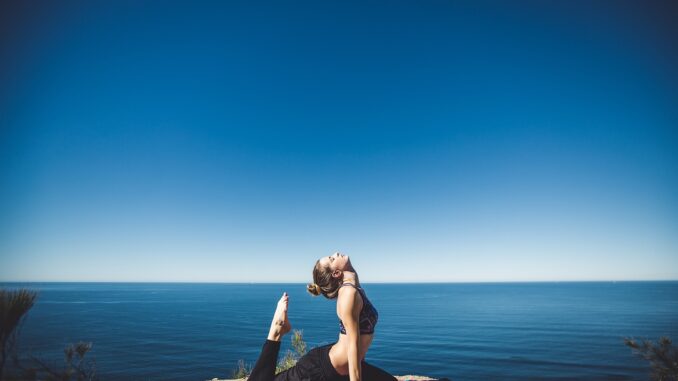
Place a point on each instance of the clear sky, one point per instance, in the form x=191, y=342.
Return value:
x=238, y=141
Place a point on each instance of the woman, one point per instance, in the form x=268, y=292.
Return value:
x=335, y=278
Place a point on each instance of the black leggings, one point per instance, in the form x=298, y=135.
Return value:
x=313, y=366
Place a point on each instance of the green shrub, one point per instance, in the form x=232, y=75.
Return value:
x=243, y=370
x=292, y=356
x=289, y=359
x=662, y=356
x=14, y=305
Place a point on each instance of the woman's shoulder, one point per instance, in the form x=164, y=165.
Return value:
x=352, y=289
x=350, y=294
x=349, y=301
x=351, y=286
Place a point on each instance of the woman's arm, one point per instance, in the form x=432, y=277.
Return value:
x=349, y=313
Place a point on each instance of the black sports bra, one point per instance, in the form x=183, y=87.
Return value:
x=368, y=314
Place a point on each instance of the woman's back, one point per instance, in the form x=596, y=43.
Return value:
x=339, y=352
x=367, y=320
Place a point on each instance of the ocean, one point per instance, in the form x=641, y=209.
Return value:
x=462, y=331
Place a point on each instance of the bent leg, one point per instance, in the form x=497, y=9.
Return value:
x=372, y=373
x=308, y=368
x=264, y=368
x=290, y=374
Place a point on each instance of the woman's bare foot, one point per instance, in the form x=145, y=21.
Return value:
x=280, y=325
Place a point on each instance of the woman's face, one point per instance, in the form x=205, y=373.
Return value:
x=336, y=261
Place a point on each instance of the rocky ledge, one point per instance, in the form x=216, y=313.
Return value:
x=400, y=378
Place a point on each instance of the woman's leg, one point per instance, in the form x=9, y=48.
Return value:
x=308, y=368
x=264, y=368
x=372, y=373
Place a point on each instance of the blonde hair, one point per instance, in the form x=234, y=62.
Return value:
x=323, y=282
x=313, y=289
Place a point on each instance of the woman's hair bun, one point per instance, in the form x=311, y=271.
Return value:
x=313, y=289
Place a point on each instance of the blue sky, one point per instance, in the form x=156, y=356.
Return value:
x=239, y=141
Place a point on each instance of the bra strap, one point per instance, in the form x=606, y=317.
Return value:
x=352, y=285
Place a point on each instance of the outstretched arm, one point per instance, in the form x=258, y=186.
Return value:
x=349, y=313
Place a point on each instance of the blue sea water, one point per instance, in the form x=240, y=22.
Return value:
x=481, y=331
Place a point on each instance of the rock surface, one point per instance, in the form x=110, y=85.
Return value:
x=400, y=378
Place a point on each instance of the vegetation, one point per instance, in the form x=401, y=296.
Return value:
x=289, y=360
x=243, y=370
x=292, y=356
x=14, y=304
x=662, y=355
x=76, y=366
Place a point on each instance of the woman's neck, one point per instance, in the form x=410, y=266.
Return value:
x=351, y=277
